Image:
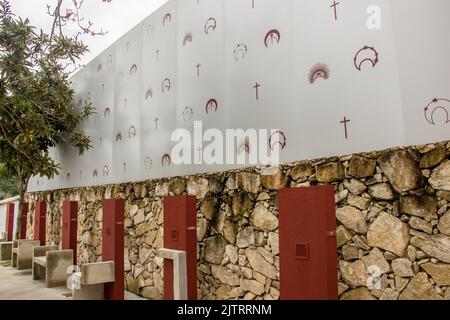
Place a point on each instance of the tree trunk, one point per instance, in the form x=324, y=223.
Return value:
x=23, y=182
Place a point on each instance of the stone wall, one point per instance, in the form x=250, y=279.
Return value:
x=392, y=213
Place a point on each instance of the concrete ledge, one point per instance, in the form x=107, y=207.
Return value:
x=39, y=261
x=179, y=271
x=92, y=279
x=95, y=273
x=51, y=264
x=22, y=253
x=57, y=264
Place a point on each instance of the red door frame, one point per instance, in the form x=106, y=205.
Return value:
x=40, y=221
x=69, y=227
x=113, y=245
x=23, y=221
x=9, y=228
x=180, y=225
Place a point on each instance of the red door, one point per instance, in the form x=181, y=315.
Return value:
x=69, y=227
x=9, y=221
x=180, y=233
x=113, y=245
x=308, y=255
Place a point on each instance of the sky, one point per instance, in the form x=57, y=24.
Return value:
x=115, y=16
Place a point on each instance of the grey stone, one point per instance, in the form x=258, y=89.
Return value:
x=202, y=226
x=361, y=167
x=229, y=231
x=263, y=219
x=439, y=179
x=260, y=265
x=131, y=284
x=274, y=243
x=245, y=237
x=440, y=272
x=420, y=206
x=253, y=286
x=274, y=179
x=263, y=196
x=358, y=202
x=330, y=172
x=350, y=252
x=151, y=293
x=144, y=255
x=400, y=283
x=436, y=246
x=242, y=205
x=444, y=224
x=249, y=182
x=215, y=249
x=354, y=274
x=340, y=196
x=355, y=186
x=402, y=267
x=389, y=294
x=389, y=233
x=209, y=207
x=225, y=275
x=357, y=294
x=432, y=158
x=133, y=210
x=342, y=236
x=352, y=219
x=139, y=217
x=420, y=224
x=376, y=258
x=443, y=194
x=401, y=170
x=232, y=253
x=302, y=171
x=342, y=287
x=232, y=182
x=419, y=288
x=381, y=191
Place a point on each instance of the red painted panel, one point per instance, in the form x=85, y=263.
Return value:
x=308, y=255
x=9, y=221
x=39, y=221
x=180, y=225
x=23, y=221
x=113, y=245
x=69, y=227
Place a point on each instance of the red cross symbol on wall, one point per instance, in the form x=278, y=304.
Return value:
x=334, y=6
x=344, y=122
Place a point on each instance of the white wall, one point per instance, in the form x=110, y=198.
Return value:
x=3, y=217
x=384, y=103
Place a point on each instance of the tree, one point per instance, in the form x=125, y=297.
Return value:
x=36, y=111
x=8, y=186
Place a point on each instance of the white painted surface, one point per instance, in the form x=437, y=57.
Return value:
x=3, y=217
x=385, y=103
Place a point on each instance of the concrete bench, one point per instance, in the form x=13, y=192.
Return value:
x=92, y=279
x=3, y=236
x=5, y=251
x=51, y=264
x=179, y=271
x=22, y=253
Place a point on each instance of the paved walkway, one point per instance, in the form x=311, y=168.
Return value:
x=19, y=285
